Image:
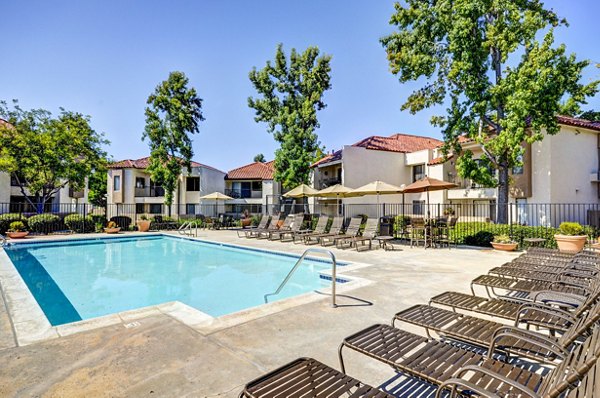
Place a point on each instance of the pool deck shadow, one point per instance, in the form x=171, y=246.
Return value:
x=158, y=355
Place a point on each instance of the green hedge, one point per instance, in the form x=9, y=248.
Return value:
x=8, y=218
x=80, y=224
x=45, y=223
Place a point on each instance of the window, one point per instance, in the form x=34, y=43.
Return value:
x=190, y=209
x=192, y=184
x=246, y=191
x=155, y=208
x=116, y=183
x=418, y=172
x=257, y=185
x=518, y=169
x=140, y=182
x=418, y=206
x=140, y=208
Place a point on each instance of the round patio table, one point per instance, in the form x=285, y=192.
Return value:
x=534, y=242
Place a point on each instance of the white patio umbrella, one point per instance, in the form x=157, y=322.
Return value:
x=375, y=188
x=335, y=191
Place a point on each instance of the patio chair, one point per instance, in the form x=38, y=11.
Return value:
x=336, y=228
x=266, y=234
x=246, y=233
x=367, y=236
x=310, y=378
x=302, y=234
x=352, y=230
x=255, y=232
x=161, y=223
x=417, y=231
x=295, y=225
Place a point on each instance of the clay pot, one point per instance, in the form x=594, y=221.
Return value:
x=112, y=230
x=246, y=222
x=17, y=235
x=143, y=225
x=507, y=247
x=570, y=243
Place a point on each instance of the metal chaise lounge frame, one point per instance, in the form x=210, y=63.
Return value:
x=255, y=232
x=308, y=377
x=368, y=234
x=352, y=230
x=247, y=233
x=294, y=225
x=336, y=228
x=301, y=234
x=481, y=332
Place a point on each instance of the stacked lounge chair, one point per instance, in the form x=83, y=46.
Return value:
x=336, y=229
x=275, y=227
x=352, y=230
x=294, y=225
x=255, y=232
x=570, y=360
x=301, y=234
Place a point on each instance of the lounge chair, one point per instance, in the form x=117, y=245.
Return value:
x=264, y=221
x=336, y=228
x=160, y=223
x=295, y=225
x=352, y=230
x=301, y=234
x=367, y=236
x=308, y=377
x=254, y=233
x=266, y=234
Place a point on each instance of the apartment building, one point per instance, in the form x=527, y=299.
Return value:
x=253, y=188
x=132, y=191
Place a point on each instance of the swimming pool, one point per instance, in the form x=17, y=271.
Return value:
x=78, y=280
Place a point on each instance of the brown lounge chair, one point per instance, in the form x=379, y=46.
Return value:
x=294, y=225
x=307, y=377
x=352, y=230
x=367, y=236
x=336, y=228
x=255, y=232
x=274, y=227
x=249, y=232
x=319, y=229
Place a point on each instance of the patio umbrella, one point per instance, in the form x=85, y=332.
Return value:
x=301, y=191
x=335, y=191
x=216, y=196
x=427, y=184
x=375, y=188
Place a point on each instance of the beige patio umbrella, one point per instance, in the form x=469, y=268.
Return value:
x=301, y=191
x=216, y=196
x=427, y=184
x=335, y=191
x=375, y=188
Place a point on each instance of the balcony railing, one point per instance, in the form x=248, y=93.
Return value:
x=149, y=192
x=327, y=182
x=243, y=193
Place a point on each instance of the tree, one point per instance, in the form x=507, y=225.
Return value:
x=591, y=115
x=97, y=184
x=174, y=111
x=44, y=154
x=260, y=158
x=503, y=86
x=292, y=93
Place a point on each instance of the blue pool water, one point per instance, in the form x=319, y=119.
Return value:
x=84, y=279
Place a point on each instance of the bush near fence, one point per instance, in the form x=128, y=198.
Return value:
x=45, y=223
x=80, y=224
x=8, y=218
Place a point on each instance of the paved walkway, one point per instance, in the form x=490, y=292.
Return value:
x=159, y=356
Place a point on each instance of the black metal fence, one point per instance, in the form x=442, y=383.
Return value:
x=475, y=221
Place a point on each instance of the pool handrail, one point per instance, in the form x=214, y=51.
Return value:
x=295, y=267
x=3, y=241
x=187, y=226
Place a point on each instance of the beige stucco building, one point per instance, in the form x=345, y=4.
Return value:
x=131, y=190
x=253, y=188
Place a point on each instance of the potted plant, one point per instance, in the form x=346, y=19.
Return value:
x=143, y=224
x=571, y=237
x=449, y=211
x=504, y=242
x=112, y=228
x=17, y=230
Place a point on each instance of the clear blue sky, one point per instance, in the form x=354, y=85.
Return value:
x=103, y=58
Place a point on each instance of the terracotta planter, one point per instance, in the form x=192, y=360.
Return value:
x=507, y=247
x=112, y=230
x=17, y=235
x=143, y=225
x=570, y=243
x=246, y=222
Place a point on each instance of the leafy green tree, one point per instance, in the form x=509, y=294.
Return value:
x=45, y=154
x=97, y=184
x=502, y=85
x=291, y=94
x=260, y=158
x=174, y=111
x=592, y=115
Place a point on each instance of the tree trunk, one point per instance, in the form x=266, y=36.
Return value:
x=502, y=205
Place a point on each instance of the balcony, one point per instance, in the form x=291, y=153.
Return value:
x=149, y=192
x=472, y=193
x=328, y=182
x=243, y=193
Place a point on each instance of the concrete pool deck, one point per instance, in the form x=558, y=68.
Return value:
x=158, y=355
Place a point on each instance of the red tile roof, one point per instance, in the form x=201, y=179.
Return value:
x=144, y=162
x=403, y=143
x=5, y=123
x=253, y=171
x=438, y=160
x=577, y=122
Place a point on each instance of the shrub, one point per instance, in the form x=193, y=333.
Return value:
x=80, y=224
x=45, y=223
x=571, y=228
x=17, y=226
x=99, y=219
x=481, y=238
x=255, y=220
x=502, y=239
x=8, y=218
x=121, y=221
